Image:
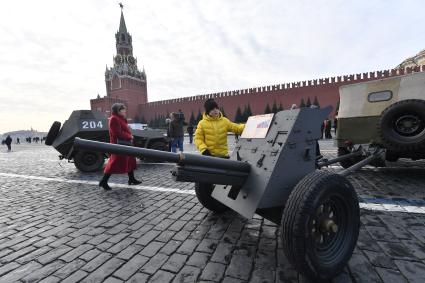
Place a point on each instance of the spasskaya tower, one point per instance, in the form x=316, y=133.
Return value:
x=124, y=81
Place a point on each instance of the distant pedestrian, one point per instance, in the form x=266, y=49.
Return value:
x=18, y=141
x=190, y=132
x=119, y=133
x=8, y=142
x=335, y=125
x=328, y=127
x=176, y=133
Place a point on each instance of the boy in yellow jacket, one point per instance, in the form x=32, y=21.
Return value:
x=211, y=133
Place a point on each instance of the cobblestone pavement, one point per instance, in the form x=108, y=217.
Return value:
x=57, y=225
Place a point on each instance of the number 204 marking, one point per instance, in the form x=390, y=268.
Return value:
x=92, y=124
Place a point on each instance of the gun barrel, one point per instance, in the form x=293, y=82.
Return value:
x=179, y=158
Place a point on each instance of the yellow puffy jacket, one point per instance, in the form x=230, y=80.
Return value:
x=211, y=134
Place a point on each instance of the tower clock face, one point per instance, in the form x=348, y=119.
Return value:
x=118, y=59
x=131, y=60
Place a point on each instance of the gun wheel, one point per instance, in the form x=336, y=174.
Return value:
x=320, y=225
x=203, y=193
x=53, y=133
x=88, y=161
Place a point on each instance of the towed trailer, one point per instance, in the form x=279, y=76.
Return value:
x=274, y=172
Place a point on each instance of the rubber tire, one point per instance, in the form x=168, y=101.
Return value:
x=203, y=193
x=347, y=162
x=53, y=133
x=158, y=145
x=301, y=204
x=390, y=138
x=79, y=161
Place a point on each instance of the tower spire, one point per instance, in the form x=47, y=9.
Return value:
x=123, y=28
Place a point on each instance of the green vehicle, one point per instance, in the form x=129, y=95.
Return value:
x=387, y=113
x=93, y=125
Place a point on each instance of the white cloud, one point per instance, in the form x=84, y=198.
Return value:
x=53, y=53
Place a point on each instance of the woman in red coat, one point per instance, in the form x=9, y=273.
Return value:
x=119, y=132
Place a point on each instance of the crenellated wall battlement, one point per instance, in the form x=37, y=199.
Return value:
x=338, y=80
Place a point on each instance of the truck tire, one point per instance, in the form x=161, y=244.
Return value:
x=320, y=225
x=203, y=193
x=158, y=145
x=53, y=133
x=347, y=162
x=401, y=126
x=88, y=161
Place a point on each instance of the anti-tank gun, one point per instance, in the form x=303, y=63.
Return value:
x=273, y=172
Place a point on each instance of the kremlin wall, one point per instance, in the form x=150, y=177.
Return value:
x=125, y=83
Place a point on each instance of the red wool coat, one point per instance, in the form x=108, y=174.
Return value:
x=118, y=129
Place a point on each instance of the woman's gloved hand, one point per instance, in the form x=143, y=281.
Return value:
x=206, y=152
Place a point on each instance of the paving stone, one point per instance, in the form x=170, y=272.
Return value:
x=53, y=254
x=198, y=259
x=50, y=279
x=222, y=253
x=89, y=255
x=69, y=268
x=147, y=238
x=165, y=236
x=181, y=236
x=96, y=262
x=188, y=274
x=73, y=254
x=396, y=250
x=151, y=249
x=44, y=241
x=240, y=267
x=118, y=238
x=139, y=278
x=129, y=252
x=98, y=239
x=380, y=260
x=413, y=271
x=20, y=272
x=362, y=270
x=33, y=255
x=43, y=272
x=207, y=246
x=213, y=271
x=188, y=246
x=154, y=264
x=174, y=263
x=75, y=277
x=390, y=276
x=8, y=267
x=79, y=241
x=162, y=277
x=15, y=255
x=170, y=247
x=120, y=245
x=104, y=270
x=5, y=252
x=262, y=275
x=415, y=248
x=112, y=280
x=131, y=267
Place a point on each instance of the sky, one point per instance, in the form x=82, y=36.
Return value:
x=53, y=53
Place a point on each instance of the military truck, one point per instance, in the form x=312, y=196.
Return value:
x=93, y=125
x=387, y=113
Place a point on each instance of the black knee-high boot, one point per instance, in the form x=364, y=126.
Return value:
x=132, y=180
x=104, y=182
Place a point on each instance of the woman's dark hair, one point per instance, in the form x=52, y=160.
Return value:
x=117, y=107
